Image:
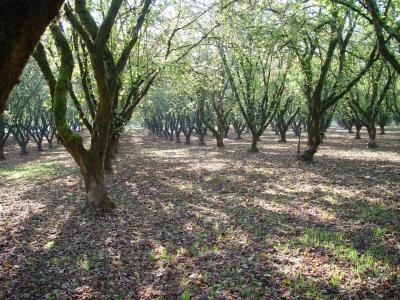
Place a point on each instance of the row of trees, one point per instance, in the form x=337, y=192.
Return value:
x=281, y=65
x=28, y=117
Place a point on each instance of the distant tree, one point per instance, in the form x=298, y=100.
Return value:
x=285, y=116
x=384, y=118
x=4, y=135
x=367, y=98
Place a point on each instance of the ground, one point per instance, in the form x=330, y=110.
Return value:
x=197, y=222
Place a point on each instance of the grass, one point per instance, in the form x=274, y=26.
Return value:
x=34, y=171
x=342, y=249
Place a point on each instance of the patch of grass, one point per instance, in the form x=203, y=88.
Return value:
x=34, y=171
x=305, y=286
x=337, y=276
x=217, y=179
x=342, y=249
x=83, y=263
x=379, y=232
x=374, y=213
x=165, y=255
x=49, y=245
x=185, y=295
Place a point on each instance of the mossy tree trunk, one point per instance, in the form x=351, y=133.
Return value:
x=90, y=161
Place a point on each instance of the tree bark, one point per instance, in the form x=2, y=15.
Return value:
x=23, y=150
x=2, y=157
x=111, y=151
x=187, y=139
x=382, y=129
x=254, y=141
x=358, y=134
x=200, y=134
x=282, y=132
x=371, y=136
x=220, y=141
x=22, y=23
x=39, y=146
x=178, y=136
x=96, y=192
x=314, y=139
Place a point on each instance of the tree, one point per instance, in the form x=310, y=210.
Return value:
x=257, y=84
x=215, y=108
x=26, y=105
x=91, y=161
x=367, y=97
x=384, y=118
x=285, y=116
x=327, y=69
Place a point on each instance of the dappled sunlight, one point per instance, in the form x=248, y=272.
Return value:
x=218, y=222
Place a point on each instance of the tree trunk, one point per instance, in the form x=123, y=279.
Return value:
x=382, y=127
x=350, y=129
x=282, y=132
x=2, y=157
x=39, y=146
x=201, y=137
x=314, y=139
x=187, y=139
x=177, y=136
x=358, y=134
x=239, y=135
x=253, y=147
x=226, y=131
x=96, y=192
x=371, y=136
x=23, y=150
x=220, y=140
x=111, y=151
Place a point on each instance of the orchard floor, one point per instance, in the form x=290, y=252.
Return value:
x=198, y=222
